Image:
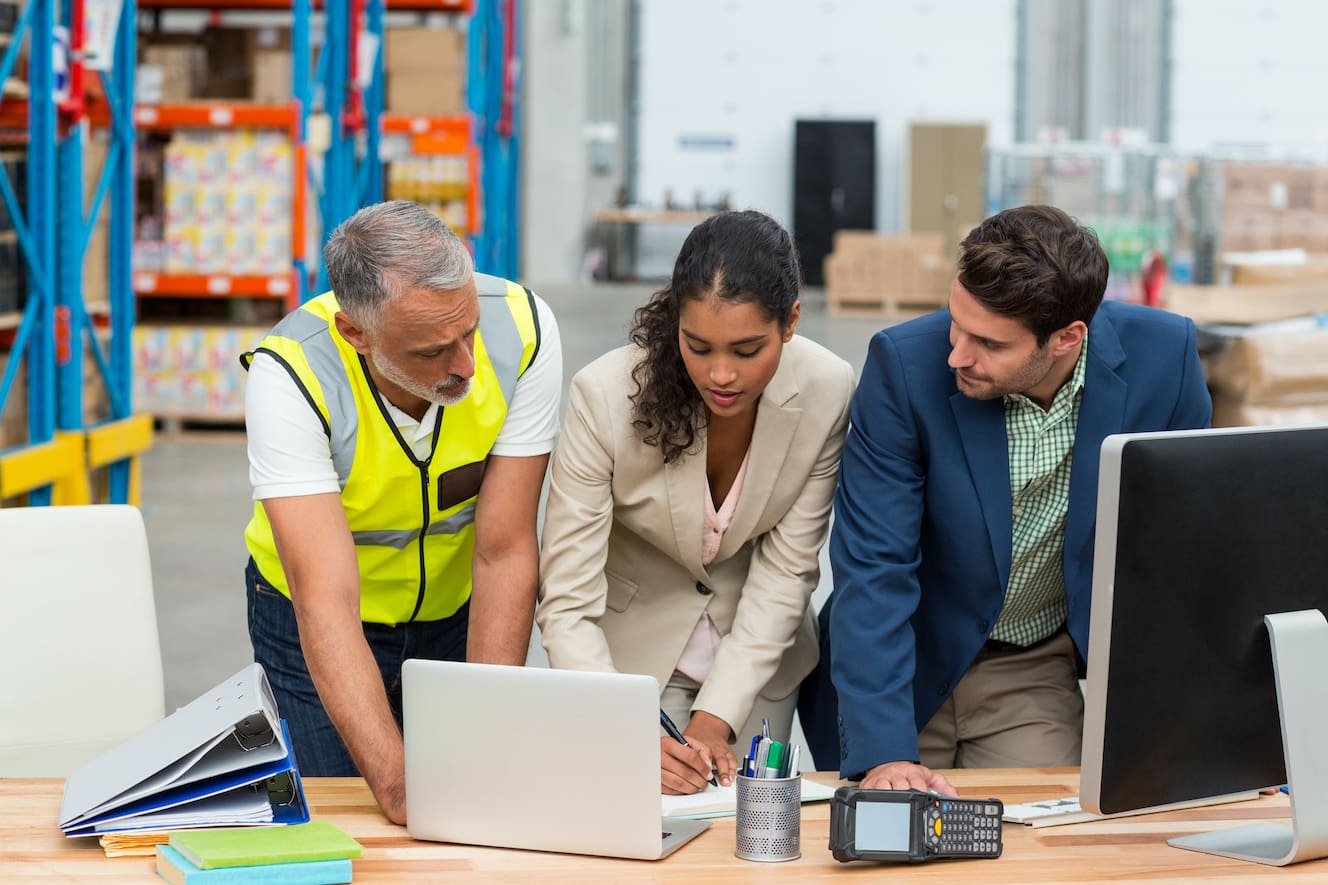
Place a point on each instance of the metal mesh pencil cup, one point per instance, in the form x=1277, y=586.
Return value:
x=769, y=820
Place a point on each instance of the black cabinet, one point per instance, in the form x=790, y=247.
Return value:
x=834, y=186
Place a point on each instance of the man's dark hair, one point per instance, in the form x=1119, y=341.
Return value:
x=1036, y=264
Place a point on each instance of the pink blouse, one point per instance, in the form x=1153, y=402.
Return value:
x=699, y=653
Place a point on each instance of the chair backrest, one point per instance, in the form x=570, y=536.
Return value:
x=80, y=659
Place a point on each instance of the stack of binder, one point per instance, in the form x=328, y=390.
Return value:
x=225, y=759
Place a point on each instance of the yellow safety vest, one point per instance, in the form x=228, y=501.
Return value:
x=413, y=522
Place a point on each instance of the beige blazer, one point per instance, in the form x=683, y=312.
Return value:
x=621, y=580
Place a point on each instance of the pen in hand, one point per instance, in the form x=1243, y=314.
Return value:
x=672, y=729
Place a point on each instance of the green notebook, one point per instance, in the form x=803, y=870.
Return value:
x=250, y=846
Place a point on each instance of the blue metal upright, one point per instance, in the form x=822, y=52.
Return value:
x=118, y=177
x=302, y=92
x=34, y=340
x=352, y=168
x=338, y=200
x=492, y=88
x=371, y=164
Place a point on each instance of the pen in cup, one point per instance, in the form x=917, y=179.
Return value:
x=672, y=729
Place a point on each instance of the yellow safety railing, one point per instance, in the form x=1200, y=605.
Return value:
x=64, y=462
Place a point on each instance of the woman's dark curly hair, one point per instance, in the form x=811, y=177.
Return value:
x=738, y=257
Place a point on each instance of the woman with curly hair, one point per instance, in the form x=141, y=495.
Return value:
x=690, y=494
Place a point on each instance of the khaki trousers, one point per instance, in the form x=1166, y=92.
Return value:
x=1014, y=708
x=681, y=692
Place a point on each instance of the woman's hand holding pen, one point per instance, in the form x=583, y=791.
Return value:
x=710, y=735
x=682, y=769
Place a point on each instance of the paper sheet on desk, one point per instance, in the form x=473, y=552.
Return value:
x=723, y=801
x=1048, y=813
x=1056, y=812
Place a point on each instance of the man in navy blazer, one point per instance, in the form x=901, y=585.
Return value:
x=962, y=545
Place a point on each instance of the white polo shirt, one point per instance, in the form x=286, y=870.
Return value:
x=288, y=449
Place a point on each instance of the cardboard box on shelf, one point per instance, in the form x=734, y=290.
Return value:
x=425, y=94
x=96, y=266
x=1245, y=272
x=424, y=51
x=1257, y=186
x=14, y=408
x=1304, y=229
x=1250, y=230
x=183, y=67
x=869, y=271
x=1319, y=189
x=1235, y=413
x=231, y=56
x=1247, y=304
x=1282, y=363
x=271, y=76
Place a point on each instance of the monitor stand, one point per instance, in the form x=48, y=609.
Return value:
x=1300, y=662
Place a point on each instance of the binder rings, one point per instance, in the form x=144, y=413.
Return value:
x=223, y=759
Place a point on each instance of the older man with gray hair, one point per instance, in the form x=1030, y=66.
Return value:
x=399, y=428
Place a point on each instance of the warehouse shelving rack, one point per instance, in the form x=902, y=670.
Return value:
x=53, y=465
x=487, y=137
x=291, y=286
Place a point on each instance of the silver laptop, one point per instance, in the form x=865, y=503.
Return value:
x=527, y=757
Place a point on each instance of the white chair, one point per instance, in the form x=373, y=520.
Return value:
x=80, y=660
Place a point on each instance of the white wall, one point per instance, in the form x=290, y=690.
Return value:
x=746, y=69
x=575, y=57
x=1250, y=73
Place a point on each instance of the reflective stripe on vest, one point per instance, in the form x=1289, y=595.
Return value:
x=413, y=564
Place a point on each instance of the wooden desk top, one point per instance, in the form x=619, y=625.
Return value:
x=32, y=849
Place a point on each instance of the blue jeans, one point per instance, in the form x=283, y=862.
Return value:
x=319, y=751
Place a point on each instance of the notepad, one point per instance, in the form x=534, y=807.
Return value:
x=240, y=846
x=723, y=801
x=172, y=867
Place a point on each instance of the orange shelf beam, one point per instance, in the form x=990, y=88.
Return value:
x=14, y=113
x=214, y=285
x=412, y=125
x=216, y=115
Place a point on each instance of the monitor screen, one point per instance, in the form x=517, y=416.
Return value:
x=1199, y=535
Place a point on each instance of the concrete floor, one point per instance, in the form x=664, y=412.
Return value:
x=196, y=495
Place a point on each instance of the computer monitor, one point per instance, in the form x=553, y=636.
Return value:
x=1201, y=535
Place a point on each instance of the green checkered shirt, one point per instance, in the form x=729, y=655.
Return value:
x=1041, y=449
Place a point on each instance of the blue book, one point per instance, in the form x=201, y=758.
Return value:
x=172, y=867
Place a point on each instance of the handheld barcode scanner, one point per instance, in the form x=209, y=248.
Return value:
x=912, y=826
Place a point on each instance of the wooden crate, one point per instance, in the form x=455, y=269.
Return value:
x=870, y=274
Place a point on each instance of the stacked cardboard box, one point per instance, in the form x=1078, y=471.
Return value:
x=227, y=203
x=426, y=71
x=1274, y=207
x=871, y=272
x=171, y=72
x=234, y=64
x=14, y=408
x=1270, y=373
x=13, y=267
x=192, y=372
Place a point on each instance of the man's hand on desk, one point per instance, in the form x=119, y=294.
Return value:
x=906, y=776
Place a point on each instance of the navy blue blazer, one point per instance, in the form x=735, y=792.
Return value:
x=922, y=531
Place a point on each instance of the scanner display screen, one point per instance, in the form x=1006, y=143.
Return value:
x=882, y=826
